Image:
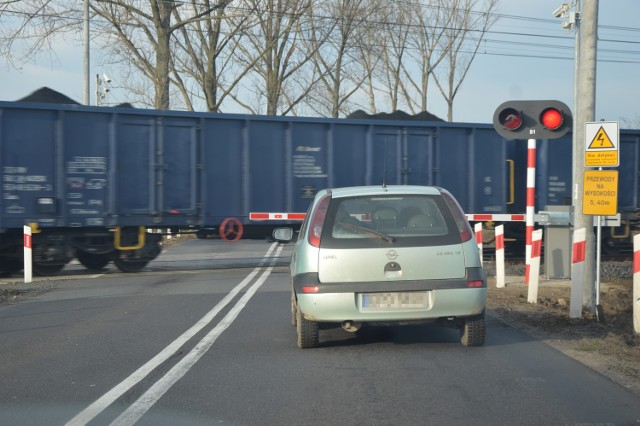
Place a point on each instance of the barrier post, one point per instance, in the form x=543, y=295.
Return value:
x=28, y=259
x=577, y=273
x=531, y=203
x=500, y=277
x=636, y=283
x=478, y=231
x=534, y=272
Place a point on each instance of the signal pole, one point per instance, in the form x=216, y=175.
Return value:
x=86, y=99
x=585, y=87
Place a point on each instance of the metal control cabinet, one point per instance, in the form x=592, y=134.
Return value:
x=557, y=241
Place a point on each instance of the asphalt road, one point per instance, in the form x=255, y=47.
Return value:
x=203, y=336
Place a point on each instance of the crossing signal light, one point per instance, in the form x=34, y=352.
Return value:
x=510, y=119
x=551, y=118
x=532, y=119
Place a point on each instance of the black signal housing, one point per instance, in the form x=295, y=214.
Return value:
x=532, y=119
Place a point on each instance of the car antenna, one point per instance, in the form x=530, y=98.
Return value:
x=384, y=164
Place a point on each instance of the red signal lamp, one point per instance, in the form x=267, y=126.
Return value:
x=551, y=118
x=510, y=119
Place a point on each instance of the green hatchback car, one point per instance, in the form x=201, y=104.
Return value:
x=385, y=255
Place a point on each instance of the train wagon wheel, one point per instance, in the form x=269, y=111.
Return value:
x=11, y=259
x=231, y=229
x=9, y=266
x=44, y=269
x=93, y=261
x=130, y=265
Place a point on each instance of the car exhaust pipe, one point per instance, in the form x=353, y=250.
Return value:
x=351, y=326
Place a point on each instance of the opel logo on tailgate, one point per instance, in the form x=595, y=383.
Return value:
x=392, y=255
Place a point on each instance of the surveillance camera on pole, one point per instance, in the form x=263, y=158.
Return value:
x=102, y=87
x=559, y=12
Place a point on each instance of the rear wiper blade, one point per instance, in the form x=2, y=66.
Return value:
x=370, y=231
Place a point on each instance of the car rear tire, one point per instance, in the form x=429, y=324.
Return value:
x=473, y=331
x=308, y=334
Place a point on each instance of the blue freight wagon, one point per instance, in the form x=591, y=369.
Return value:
x=93, y=181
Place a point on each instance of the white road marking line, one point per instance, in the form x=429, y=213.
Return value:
x=132, y=414
x=116, y=392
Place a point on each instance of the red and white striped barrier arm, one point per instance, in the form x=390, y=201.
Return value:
x=276, y=216
x=577, y=272
x=500, y=276
x=534, y=277
x=471, y=217
x=636, y=283
x=531, y=199
x=28, y=263
x=495, y=217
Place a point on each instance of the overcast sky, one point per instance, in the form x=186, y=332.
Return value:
x=527, y=55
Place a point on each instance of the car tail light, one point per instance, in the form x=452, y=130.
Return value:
x=475, y=284
x=456, y=211
x=317, y=221
x=310, y=289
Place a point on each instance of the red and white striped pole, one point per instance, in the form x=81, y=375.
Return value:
x=636, y=283
x=478, y=231
x=534, y=278
x=531, y=201
x=28, y=268
x=577, y=273
x=500, y=278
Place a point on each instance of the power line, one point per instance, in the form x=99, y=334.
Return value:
x=510, y=35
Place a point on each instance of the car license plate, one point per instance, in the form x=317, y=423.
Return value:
x=394, y=300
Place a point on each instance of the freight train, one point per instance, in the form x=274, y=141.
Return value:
x=93, y=182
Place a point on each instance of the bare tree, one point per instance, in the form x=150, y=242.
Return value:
x=327, y=55
x=144, y=29
x=461, y=40
x=397, y=24
x=272, y=45
x=30, y=28
x=426, y=49
x=334, y=34
x=202, y=54
x=138, y=32
x=369, y=51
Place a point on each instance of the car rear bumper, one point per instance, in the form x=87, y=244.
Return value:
x=440, y=303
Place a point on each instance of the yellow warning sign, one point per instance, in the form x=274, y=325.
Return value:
x=601, y=140
x=600, y=196
x=601, y=144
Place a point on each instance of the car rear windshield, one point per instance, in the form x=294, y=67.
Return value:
x=398, y=220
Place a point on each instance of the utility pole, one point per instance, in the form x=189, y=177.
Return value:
x=585, y=96
x=86, y=85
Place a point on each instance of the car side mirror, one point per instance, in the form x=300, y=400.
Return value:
x=283, y=235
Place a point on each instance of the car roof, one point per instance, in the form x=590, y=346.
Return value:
x=354, y=191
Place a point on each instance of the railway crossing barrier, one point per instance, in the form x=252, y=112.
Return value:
x=534, y=266
x=636, y=283
x=500, y=274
